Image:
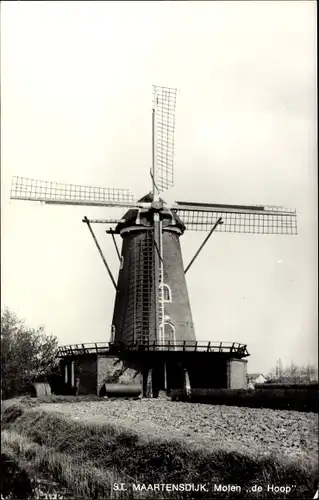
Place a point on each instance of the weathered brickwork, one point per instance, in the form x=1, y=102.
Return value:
x=129, y=302
x=134, y=310
x=203, y=371
x=237, y=374
x=86, y=371
x=178, y=311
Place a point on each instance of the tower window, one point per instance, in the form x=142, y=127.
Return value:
x=167, y=294
x=169, y=333
x=122, y=262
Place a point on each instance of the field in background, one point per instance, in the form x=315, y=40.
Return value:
x=87, y=446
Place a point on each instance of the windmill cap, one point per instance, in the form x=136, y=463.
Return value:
x=144, y=217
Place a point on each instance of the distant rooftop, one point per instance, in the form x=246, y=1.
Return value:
x=255, y=375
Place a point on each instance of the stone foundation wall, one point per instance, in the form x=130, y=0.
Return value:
x=110, y=369
x=237, y=374
x=96, y=370
x=85, y=370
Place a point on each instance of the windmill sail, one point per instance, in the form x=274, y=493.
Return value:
x=164, y=103
x=237, y=218
x=69, y=194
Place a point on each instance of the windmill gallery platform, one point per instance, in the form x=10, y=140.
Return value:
x=153, y=368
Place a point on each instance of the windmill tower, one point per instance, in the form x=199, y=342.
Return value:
x=152, y=309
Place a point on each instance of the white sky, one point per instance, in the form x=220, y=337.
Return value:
x=76, y=83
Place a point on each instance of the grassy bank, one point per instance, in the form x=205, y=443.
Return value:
x=89, y=458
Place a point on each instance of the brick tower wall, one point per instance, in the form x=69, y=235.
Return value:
x=134, y=310
x=133, y=316
x=179, y=310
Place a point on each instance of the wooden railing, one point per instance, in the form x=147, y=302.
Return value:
x=240, y=350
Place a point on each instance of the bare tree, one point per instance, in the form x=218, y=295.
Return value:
x=293, y=373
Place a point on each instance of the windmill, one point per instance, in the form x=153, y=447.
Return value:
x=152, y=304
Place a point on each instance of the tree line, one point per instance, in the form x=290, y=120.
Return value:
x=293, y=373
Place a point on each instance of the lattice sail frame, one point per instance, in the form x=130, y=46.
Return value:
x=277, y=221
x=164, y=104
x=274, y=220
x=68, y=194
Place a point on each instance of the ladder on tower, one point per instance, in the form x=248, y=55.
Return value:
x=161, y=308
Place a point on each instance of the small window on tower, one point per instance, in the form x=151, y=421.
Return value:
x=122, y=262
x=167, y=295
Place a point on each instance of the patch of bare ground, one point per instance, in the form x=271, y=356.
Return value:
x=87, y=446
x=291, y=434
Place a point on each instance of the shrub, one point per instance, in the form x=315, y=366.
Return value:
x=311, y=386
x=28, y=355
x=15, y=481
x=275, y=398
x=11, y=414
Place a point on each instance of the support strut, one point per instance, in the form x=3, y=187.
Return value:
x=116, y=248
x=86, y=220
x=219, y=221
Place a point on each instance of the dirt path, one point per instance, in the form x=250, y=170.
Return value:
x=264, y=431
